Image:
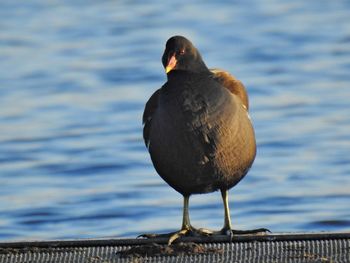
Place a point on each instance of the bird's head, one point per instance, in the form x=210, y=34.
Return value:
x=181, y=54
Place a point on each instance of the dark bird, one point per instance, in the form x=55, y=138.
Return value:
x=198, y=131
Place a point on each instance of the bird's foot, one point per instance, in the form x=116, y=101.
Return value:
x=188, y=231
x=233, y=232
x=258, y=231
x=194, y=232
x=150, y=236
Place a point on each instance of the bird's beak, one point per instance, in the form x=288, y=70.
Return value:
x=171, y=64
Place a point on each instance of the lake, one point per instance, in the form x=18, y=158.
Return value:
x=74, y=79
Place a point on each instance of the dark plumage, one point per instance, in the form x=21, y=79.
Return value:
x=197, y=128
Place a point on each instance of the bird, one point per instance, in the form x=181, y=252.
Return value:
x=198, y=132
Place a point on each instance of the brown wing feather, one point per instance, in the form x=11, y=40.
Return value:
x=150, y=108
x=232, y=84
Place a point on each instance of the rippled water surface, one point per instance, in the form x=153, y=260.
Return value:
x=74, y=78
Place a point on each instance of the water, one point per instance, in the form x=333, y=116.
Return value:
x=74, y=78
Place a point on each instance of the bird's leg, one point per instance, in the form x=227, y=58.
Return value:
x=227, y=229
x=186, y=228
x=227, y=217
x=186, y=215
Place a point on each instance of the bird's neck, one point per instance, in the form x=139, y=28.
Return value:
x=185, y=74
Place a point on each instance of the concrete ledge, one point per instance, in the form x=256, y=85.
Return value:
x=281, y=247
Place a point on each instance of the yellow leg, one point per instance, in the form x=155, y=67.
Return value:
x=186, y=216
x=186, y=225
x=227, y=229
x=227, y=221
x=187, y=229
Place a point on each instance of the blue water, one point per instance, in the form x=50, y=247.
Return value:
x=74, y=78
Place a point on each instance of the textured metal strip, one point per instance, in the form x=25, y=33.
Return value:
x=285, y=250
x=215, y=239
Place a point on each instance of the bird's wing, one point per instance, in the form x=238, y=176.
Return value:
x=150, y=108
x=232, y=84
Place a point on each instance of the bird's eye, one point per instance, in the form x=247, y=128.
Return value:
x=182, y=51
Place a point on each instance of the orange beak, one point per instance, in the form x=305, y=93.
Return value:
x=171, y=64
